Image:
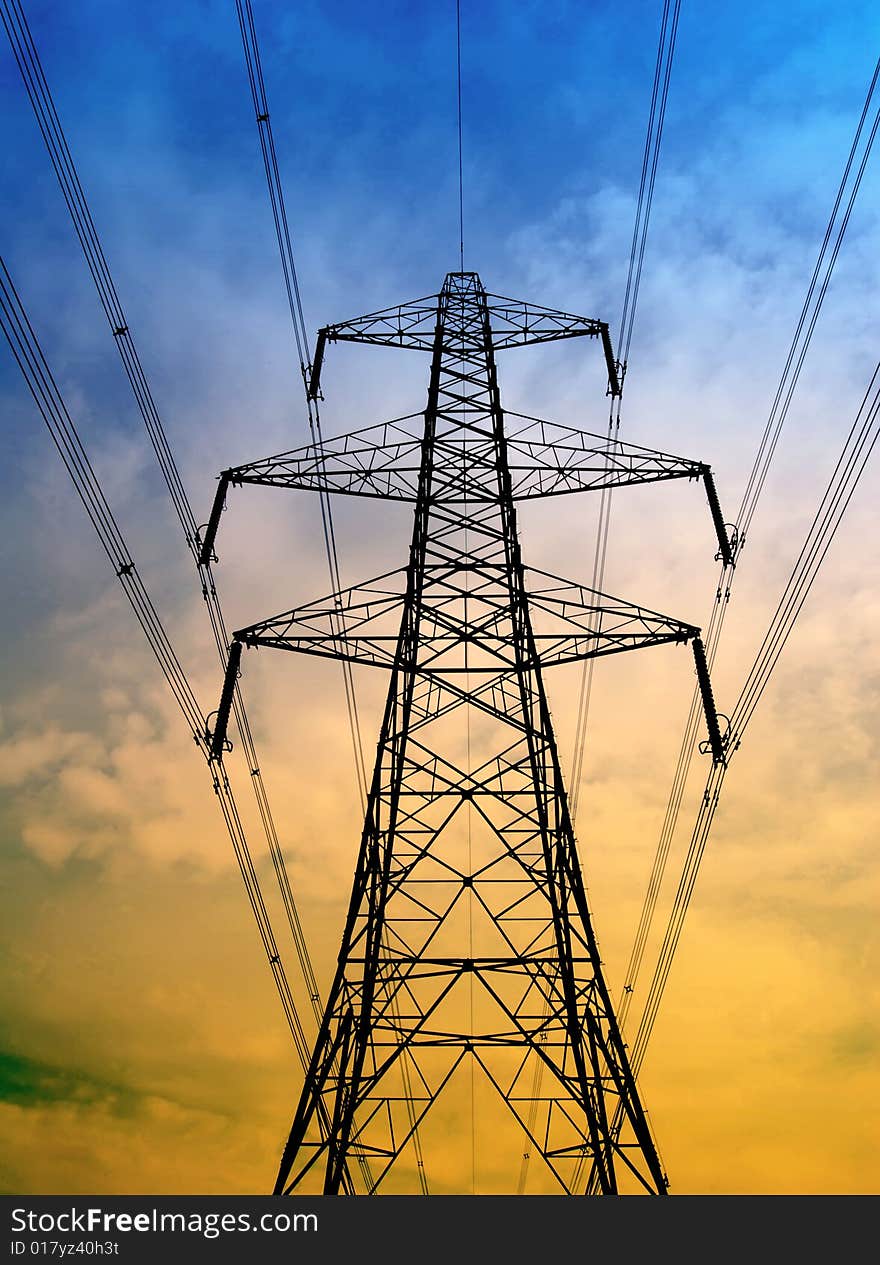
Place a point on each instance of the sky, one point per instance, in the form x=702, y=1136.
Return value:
x=142, y=1046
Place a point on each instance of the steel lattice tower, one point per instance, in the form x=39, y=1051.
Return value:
x=468, y=934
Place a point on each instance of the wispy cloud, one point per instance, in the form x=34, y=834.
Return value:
x=132, y=958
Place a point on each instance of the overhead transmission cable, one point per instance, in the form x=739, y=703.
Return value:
x=835, y=500
x=253, y=65
x=832, y=240
x=301, y=337
x=808, y=317
x=31, y=70
x=850, y=180
x=47, y=397
x=460, y=149
x=849, y=468
x=650, y=159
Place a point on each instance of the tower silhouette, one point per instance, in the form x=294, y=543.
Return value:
x=468, y=937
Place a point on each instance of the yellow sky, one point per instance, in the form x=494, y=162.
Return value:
x=143, y=1034
x=143, y=1045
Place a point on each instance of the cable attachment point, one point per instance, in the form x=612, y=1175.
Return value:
x=705, y=747
x=733, y=544
x=211, y=739
x=201, y=534
x=307, y=371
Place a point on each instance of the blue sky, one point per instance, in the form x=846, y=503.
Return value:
x=363, y=101
x=100, y=813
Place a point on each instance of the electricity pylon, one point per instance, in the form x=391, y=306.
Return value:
x=468, y=934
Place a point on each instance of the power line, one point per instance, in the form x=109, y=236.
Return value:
x=47, y=397
x=259, y=98
x=460, y=160
x=650, y=159
x=783, y=396
x=848, y=471
x=40, y=96
x=809, y=314
x=826, y=521
x=285, y=247
x=842, y=484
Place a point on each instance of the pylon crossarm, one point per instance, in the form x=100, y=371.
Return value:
x=546, y=459
x=380, y=652
x=513, y=323
x=410, y=325
x=587, y=624
x=329, y=626
x=361, y=624
x=383, y=461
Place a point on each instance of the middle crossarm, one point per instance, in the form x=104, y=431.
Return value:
x=545, y=459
